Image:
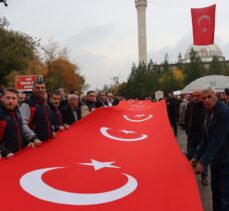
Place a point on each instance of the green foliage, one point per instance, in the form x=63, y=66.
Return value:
x=143, y=81
x=195, y=69
x=20, y=54
x=17, y=50
x=225, y=68
x=215, y=67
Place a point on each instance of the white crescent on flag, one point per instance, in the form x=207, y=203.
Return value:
x=33, y=184
x=204, y=17
x=104, y=131
x=137, y=120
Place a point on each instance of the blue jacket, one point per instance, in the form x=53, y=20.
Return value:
x=214, y=147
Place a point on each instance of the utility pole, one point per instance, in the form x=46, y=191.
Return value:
x=115, y=79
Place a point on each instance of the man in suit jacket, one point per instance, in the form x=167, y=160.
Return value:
x=101, y=98
x=111, y=101
x=72, y=112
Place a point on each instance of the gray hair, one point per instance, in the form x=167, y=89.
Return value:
x=70, y=96
x=209, y=89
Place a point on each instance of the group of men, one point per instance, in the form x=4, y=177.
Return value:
x=206, y=123
x=29, y=122
x=207, y=128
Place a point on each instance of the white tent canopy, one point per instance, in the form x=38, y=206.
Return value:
x=219, y=82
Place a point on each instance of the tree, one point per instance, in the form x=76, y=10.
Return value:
x=143, y=81
x=17, y=50
x=225, y=68
x=171, y=81
x=166, y=63
x=63, y=74
x=215, y=67
x=195, y=69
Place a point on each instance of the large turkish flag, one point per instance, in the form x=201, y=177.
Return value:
x=203, y=24
x=117, y=158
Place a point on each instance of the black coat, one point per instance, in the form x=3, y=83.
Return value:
x=214, y=147
x=56, y=118
x=40, y=118
x=68, y=116
x=194, y=117
x=11, y=132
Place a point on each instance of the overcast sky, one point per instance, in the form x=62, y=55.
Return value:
x=102, y=34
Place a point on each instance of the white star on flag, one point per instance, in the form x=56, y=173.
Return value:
x=99, y=165
x=127, y=131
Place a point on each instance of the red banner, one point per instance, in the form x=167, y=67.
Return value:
x=117, y=158
x=203, y=24
x=25, y=82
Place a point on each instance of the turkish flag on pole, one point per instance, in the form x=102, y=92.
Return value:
x=203, y=24
x=118, y=158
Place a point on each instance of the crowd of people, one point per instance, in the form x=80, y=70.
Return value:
x=205, y=117
x=27, y=121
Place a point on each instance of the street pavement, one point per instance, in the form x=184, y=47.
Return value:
x=205, y=191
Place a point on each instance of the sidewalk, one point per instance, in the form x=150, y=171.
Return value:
x=205, y=191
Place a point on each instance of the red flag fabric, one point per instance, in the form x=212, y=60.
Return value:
x=117, y=158
x=203, y=24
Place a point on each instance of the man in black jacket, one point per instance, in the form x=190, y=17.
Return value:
x=101, y=100
x=194, y=118
x=72, y=112
x=13, y=135
x=36, y=112
x=56, y=116
x=172, y=104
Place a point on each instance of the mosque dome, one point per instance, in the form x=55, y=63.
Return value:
x=206, y=53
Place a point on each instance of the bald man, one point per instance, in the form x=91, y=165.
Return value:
x=194, y=119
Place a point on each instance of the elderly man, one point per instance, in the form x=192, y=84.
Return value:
x=111, y=101
x=214, y=148
x=14, y=135
x=72, y=112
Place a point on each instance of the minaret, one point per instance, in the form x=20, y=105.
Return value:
x=141, y=10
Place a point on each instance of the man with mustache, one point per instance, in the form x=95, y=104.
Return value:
x=56, y=116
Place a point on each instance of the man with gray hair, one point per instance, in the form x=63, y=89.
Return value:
x=72, y=112
x=214, y=148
